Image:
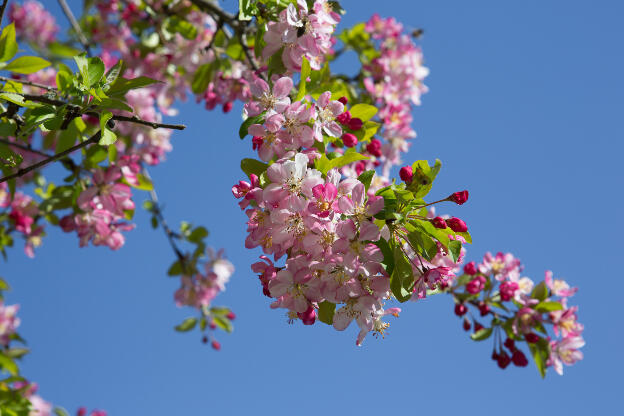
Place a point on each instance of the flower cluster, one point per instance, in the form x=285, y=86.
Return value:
x=325, y=228
x=33, y=23
x=302, y=32
x=533, y=308
x=395, y=83
x=23, y=213
x=8, y=322
x=103, y=206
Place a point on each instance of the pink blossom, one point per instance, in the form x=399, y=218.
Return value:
x=565, y=351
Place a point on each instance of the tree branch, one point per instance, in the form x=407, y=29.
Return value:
x=21, y=172
x=2, y=7
x=24, y=147
x=26, y=82
x=214, y=9
x=74, y=23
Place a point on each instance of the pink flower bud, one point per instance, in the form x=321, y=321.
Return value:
x=355, y=124
x=343, y=100
x=227, y=107
x=406, y=174
x=438, y=222
x=459, y=197
x=466, y=325
x=374, y=147
x=510, y=344
x=231, y=315
x=519, y=359
x=205, y=339
x=215, y=345
x=470, y=268
x=484, y=308
x=349, y=139
x=82, y=411
x=474, y=286
x=212, y=325
x=477, y=327
x=308, y=317
x=460, y=309
x=531, y=338
x=457, y=225
x=344, y=118
x=507, y=290
x=360, y=167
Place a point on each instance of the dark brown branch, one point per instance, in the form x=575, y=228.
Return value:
x=74, y=23
x=171, y=235
x=25, y=147
x=212, y=8
x=21, y=172
x=26, y=82
x=136, y=120
x=2, y=7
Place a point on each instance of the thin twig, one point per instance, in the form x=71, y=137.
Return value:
x=21, y=172
x=137, y=120
x=2, y=7
x=214, y=35
x=211, y=8
x=26, y=82
x=25, y=147
x=171, y=236
x=74, y=23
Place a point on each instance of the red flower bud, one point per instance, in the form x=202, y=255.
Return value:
x=438, y=222
x=519, y=359
x=503, y=360
x=215, y=345
x=308, y=317
x=494, y=355
x=406, y=174
x=355, y=123
x=231, y=315
x=82, y=411
x=374, y=147
x=510, y=344
x=466, y=325
x=212, y=325
x=470, y=268
x=460, y=309
x=459, y=197
x=360, y=167
x=484, y=308
x=344, y=118
x=474, y=286
x=349, y=139
x=343, y=100
x=531, y=337
x=227, y=107
x=205, y=340
x=457, y=225
x=477, y=326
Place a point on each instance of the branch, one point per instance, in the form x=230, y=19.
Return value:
x=74, y=23
x=21, y=172
x=24, y=147
x=212, y=8
x=137, y=120
x=2, y=7
x=171, y=236
x=26, y=82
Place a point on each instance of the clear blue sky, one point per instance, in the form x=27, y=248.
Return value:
x=525, y=111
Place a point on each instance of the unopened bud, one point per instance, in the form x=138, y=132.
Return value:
x=459, y=197
x=349, y=139
x=438, y=222
x=519, y=359
x=470, y=268
x=355, y=124
x=460, y=309
x=531, y=338
x=406, y=174
x=344, y=118
x=374, y=147
x=343, y=100
x=457, y=225
x=215, y=345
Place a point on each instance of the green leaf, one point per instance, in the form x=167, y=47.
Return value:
x=366, y=178
x=548, y=306
x=115, y=104
x=242, y=131
x=363, y=111
x=176, y=24
x=223, y=322
x=246, y=9
x=305, y=73
x=276, y=65
x=113, y=73
x=8, y=365
x=122, y=85
x=326, y=312
x=198, y=234
x=454, y=248
x=175, y=269
x=235, y=51
x=59, y=411
x=8, y=46
x=8, y=157
x=424, y=244
x=202, y=78
x=482, y=334
x=402, y=277
x=254, y=166
x=423, y=178
x=144, y=183
x=186, y=325
x=108, y=137
x=325, y=165
x=17, y=352
x=95, y=71
x=62, y=50
x=540, y=292
x=26, y=64
x=540, y=352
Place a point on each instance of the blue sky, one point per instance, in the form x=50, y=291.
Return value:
x=524, y=110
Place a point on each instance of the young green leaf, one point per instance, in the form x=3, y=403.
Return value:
x=326, y=312
x=108, y=137
x=26, y=64
x=8, y=46
x=482, y=334
x=186, y=325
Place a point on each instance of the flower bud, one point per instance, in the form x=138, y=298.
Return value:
x=470, y=268
x=231, y=315
x=344, y=118
x=503, y=360
x=227, y=107
x=205, y=339
x=438, y=222
x=484, y=308
x=474, y=286
x=477, y=326
x=215, y=345
x=457, y=225
x=466, y=325
x=531, y=337
x=360, y=167
x=82, y=411
x=349, y=139
x=212, y=325
x=519, y=359
x=510, y=344
x=460, y=309
x=494, y=355
x=308, y=317
x=459, y=197
x=374, y=147
x=343, y=100
x=355, y=124
x=406, y=174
